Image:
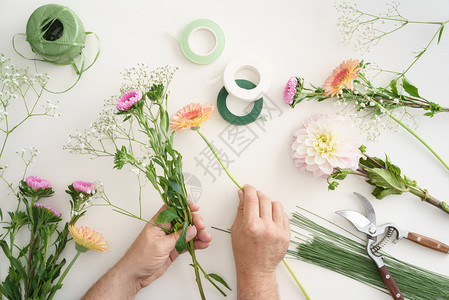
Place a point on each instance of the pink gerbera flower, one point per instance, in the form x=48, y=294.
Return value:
x=37, y=183
x=290, y=90
x=128, y=100
x=341, y=77
x=43, y=206
x=84, y=187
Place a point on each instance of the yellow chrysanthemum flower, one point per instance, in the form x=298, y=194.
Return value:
x=341, y=77
x=87, y=239
x=191, y=116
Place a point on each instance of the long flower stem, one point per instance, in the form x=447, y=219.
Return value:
x=241, y=187
x=296, y=278
x=65, y=273
x=219, y=159
x=191, y=250
x=419, y=139
x=430, y=199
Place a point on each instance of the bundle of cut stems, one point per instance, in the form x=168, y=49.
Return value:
x=348, y=256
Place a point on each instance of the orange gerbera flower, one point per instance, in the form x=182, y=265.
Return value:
x=341, y=77
x=191, y=116
x=87, y=239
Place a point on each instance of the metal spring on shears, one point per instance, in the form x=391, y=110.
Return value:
x=384, y=240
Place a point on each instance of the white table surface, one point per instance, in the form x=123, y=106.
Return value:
x=293, y=38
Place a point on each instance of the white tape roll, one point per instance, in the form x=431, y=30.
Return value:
x=246, y=62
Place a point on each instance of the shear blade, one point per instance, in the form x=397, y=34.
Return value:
x=370, y=213
x=358, y=220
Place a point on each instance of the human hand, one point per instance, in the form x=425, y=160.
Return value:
x=147, y=259
x=260, y=238
x=154, y=250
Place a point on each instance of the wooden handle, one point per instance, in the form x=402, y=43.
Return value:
x=390, y=283
x=428, y=242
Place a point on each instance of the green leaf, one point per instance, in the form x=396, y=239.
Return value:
x=386, y=179
x=10, y=288
x=393, y=168
x=176, y=187
x=362, y=149
x=439, y=35
x=181, y=243
x=167, y=215
x=370, y=163
x=410, y=88
x=122, y=157
x=332, y=186
x=381, y=193
x=394, y=86
x=164, y=122
x=410, y=182
x=46, y=287
x=158, y=161
x=220, y=280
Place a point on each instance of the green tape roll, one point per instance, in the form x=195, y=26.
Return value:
x=219, y=41
x=56, y=33
x=229, y=116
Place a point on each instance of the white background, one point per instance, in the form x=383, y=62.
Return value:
x=298, y=38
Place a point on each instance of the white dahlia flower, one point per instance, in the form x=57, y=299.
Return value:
x=325, y=142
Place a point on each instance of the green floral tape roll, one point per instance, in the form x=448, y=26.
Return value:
x=56, y=33
x=229, y=116
x=198, y=25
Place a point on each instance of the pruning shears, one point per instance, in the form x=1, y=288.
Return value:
x=367, y=225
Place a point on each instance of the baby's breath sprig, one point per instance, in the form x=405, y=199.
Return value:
x=16, y=85
x=367, y=29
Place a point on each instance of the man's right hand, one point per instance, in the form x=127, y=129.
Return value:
x=260, y=238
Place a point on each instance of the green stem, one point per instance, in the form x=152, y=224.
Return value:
x=195, y=267
x=429, y=199
x=211, y=281
x=65, y=273
x=219, y=160
x=296, y=279
x=417, y=136
x=240, y=187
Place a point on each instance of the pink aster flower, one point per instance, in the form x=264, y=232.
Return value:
x=325, y=142
x=128, y=100
x=84, y=187
x=43, y=206
x=37, y=183
x=290, y=90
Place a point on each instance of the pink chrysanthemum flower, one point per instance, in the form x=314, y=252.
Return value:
x=84, y=187
x=37, y=183
x=325, y=142
x=341, y=77
x=43, y=206
x=290, y=90
x=87, y=239
x=128, y=100
x=191, y=116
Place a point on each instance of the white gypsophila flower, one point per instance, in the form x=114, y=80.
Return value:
x=326, y=142
x=366, y=29
x=143, y=78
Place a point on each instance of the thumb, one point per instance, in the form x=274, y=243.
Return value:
x=171, y=239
